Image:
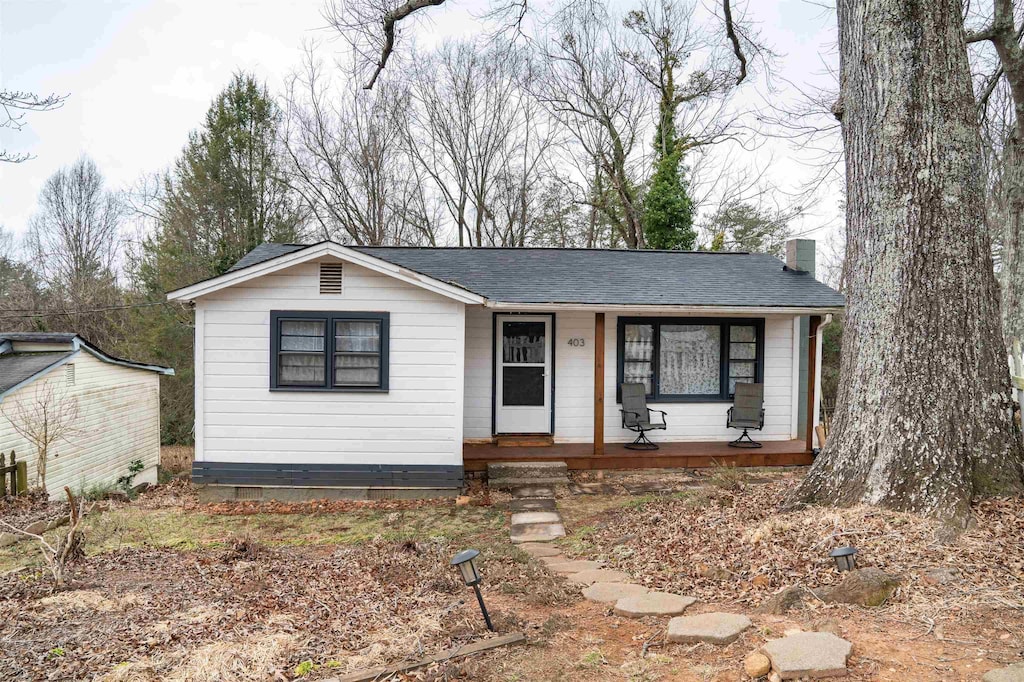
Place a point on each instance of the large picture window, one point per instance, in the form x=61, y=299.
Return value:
x=689, y=359
x=329, y=351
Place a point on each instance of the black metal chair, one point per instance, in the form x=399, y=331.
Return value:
x=747, y=412
x=636, y=416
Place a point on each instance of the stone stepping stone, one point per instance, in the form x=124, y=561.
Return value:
x=713, y=628
x=574, y=566
x=808, y=654
x=646, y=488
x=533, y=491
x=541, y=551
x=536, y=532
x=610, y=593
x=527, y=504
x=522, y=518
x=598, y=575
x=653, y=604
x=554, y=559
x=1011, y=673
x=593, y=488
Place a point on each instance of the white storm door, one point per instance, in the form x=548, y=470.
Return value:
x=522, y=399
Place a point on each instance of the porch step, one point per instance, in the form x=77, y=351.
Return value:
x=524, y=441
x=505, y=475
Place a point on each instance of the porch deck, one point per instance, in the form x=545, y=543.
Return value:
x=580, y=456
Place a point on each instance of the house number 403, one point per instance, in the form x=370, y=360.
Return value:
x=579, y=343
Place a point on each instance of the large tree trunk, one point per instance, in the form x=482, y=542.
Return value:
x=924, y=420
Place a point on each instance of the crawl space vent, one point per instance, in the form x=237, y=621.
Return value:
x=244, y=493
x=330, y=278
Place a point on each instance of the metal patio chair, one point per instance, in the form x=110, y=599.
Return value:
x=747, y=412
x=636, y=416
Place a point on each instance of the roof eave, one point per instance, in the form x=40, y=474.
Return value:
x=673, y=308
x=97, y=353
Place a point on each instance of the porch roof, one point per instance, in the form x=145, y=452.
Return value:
x=613, y=277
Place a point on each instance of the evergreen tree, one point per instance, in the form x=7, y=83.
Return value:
x=224, y=196
x=668, y=210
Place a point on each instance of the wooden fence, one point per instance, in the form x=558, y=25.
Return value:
x=17, y=472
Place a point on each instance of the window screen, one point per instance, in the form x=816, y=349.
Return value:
x=301, y=356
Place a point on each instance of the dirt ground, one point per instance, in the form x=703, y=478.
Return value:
x=174, y=590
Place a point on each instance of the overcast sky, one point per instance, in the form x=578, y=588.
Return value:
x=141, y=74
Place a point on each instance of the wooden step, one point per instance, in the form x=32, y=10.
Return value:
x=525, y=440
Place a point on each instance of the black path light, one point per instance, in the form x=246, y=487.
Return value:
x=467, y=567
x=845, y=558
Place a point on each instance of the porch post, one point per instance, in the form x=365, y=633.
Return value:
x=599, y=383
x=812, y=373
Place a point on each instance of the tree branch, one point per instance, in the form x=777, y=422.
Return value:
x=389, y=21
x=730, y=30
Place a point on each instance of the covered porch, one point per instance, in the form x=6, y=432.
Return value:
x=583, y=456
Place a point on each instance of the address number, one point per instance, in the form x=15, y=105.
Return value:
x=579, y=343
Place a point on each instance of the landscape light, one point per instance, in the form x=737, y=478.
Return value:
x=845, y=559
x=467, y=567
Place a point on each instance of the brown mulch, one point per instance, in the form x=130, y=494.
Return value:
x=737, y=544
x=21, y=510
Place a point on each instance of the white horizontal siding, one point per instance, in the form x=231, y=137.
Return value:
x=574, y=384
x=479, y=372
x=418, y=421
x=118, y=421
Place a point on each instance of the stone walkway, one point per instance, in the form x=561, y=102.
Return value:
x=536, y=522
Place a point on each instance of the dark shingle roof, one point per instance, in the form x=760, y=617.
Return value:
x=603, y=276
x=17, y=367
x=264, y=252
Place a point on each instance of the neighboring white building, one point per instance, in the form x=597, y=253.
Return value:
x=365, y=371
x=115, y=405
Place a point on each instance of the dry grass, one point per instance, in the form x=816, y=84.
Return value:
x=176, y=459
x=187, y=592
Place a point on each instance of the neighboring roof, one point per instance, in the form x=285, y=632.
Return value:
x=38, y=337
x=602, y=276
x=18, y=368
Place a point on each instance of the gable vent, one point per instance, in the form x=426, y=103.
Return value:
x=69, y=373
x=330, y=278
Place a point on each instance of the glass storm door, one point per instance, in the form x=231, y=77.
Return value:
x=523, y=383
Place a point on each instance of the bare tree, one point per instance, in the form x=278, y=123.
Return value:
x=473, y=131
x=372, y=27
x=348, y=163
x=69, y=547
x=46, y=417
x=73, y=242
x=923, y=421
x=600, y=101
x=14, y=105
x=1001, y=105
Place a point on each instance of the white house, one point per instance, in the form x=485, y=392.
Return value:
x=382, y=371
x=107, y=408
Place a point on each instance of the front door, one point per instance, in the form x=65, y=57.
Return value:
x=522, y=399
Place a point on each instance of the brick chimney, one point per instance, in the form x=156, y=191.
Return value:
x=800, y=255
